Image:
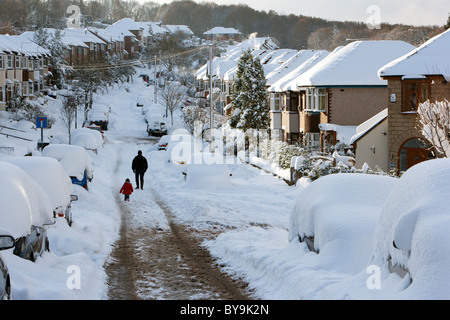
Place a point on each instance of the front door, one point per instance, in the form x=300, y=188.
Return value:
x=413, y=152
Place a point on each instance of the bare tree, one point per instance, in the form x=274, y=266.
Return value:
x=173, y=97
x=194, y=114
x=434, y=123
x=68, y=113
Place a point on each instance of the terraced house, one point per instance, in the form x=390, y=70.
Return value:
x=344, y=90
x=24, y=69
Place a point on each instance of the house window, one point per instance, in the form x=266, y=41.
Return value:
x=293, y=102
x=2, y=94
x=414, y=93
x=275, y=101
x=18, y=62
x=9, y=62
x=312, y=139
x=2, y=62
x=316, y=99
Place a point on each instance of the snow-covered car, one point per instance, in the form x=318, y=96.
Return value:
x=413, y=233
x=140, y=101
x=163, y=143
x=6, y=242
x=26, y=211
x=207, y=176
x=157, y=128
x=75, y=160
x=97, y=128
x=152, y=109
x=52, y=177
x=337, y=214
x=99, y=118
x=88, y=139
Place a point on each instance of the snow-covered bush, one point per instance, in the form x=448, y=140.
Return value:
x=434, y=122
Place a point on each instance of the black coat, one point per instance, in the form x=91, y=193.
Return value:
x=139, y=163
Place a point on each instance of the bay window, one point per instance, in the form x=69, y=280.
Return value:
x=316, y=99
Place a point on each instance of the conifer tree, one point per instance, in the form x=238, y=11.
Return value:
x=250, y=105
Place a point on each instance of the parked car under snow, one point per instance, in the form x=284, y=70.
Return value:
x=413, y=233
x=89, y=139
x=75, y=161
x=337, y=214
x=50, y=175
x=6, y=242
x=26, y=211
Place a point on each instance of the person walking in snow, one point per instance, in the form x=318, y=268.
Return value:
x=127, y=189
x=139, y=167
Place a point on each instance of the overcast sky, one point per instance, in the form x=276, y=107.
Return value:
x=411, y=12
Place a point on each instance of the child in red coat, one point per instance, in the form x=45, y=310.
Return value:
x=127, y=189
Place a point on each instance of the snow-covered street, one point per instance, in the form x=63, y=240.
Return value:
x=243, y=224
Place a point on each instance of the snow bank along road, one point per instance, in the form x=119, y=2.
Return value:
x=156, y=258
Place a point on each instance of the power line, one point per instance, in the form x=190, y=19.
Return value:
x=129, y=64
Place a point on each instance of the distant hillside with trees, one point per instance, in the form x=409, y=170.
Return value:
x=291, y=31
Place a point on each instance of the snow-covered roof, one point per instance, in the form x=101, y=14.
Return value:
x=122, y=28
x=21, y=45
x=366, y=126
x=222, y=30
x=83, y=35
x=431, y=58
x=152, y=28
x=303, y=64
x=344, y=134
x=253, y=43
x=220, y=67
x=356, y=64
x=67, y=40
x=179, y=28
x=281, y=78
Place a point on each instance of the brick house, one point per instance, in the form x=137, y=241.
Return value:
x=344, y=88
x=131, y=33
x=222, y=34
x=24, y=68
x=283, y=95
x=414, y=78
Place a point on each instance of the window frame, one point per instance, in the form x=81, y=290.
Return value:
x=276, y=101
x=316, y=99
x=407, y=92
x=9, y=61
